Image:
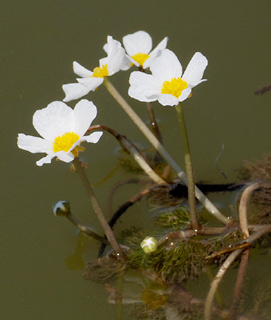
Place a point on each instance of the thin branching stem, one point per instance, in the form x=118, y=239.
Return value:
x=243, y=207
x=258, y=234
x=153, y=121
x=132, y=149
x=239, y=285
x=159, y=147
x=97, y=209
x=84, y=228
x=189, y=169
x=215, y=283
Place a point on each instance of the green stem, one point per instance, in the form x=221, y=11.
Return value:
x=83, y=228
x=159, y=147
x=189, y=168
x=97, y=209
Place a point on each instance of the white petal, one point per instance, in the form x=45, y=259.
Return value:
x=54, y=120
x=185, y=94
x=84, y=112
x=116, y=56
x=161, y=46
x=93, y=137
x=44, y=160
x=103, y=62
x=61, y=155
x=74, y=91
x=166, y=66
x=34, y=144
x=138, y=42
x=91, y=84
x=64, y=156
x=195, y=69
x=81, y=71
x=143, y=87
x=168, y=100
x=126, y=63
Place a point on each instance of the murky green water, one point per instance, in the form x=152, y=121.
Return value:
x=40, y=278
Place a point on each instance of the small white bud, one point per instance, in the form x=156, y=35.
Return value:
x=149, y=244
x=61, y=208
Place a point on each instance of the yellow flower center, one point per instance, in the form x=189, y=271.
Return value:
x=100, y=72
x=174, y=87
x=140, y=58
x=65, y=142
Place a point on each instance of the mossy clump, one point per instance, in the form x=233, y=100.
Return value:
x=185, y=260
x=175, y=218
x=133, y=236
x=259, y=171
x=104, y=269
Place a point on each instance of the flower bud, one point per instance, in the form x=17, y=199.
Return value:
x=61, y=208
x=149, y=244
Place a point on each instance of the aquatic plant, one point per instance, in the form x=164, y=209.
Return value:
x=183, y=242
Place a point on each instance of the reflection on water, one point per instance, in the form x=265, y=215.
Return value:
x=43, y=256
x=75, y=261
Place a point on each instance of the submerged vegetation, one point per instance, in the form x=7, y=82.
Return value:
x=189, y=238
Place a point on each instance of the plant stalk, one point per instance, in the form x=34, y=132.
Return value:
x=134, y=151
x=97, y=209
x=214, y=285
x=189, y=169
x=83, y=228
x=159, y=147
x=153, y=121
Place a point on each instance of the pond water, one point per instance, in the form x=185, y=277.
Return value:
x=43, y=257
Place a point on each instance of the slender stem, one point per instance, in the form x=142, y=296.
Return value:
x=83, y=228
x=154, y=124
x=219, y=298
x=239, y=284
x=155, y=129
x=255, y=236
x=131, y=148
x=189, y=168
x=243, y=207
x=153, y=121
x=216, y=282
x=97, y=209
x=159, y=147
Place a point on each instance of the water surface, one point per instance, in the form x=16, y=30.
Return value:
x=39, y=42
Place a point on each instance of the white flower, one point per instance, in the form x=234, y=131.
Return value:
x=138, y=46
x=167, y=84
x=149, y=244
x=115, y=61
x=62, y=130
